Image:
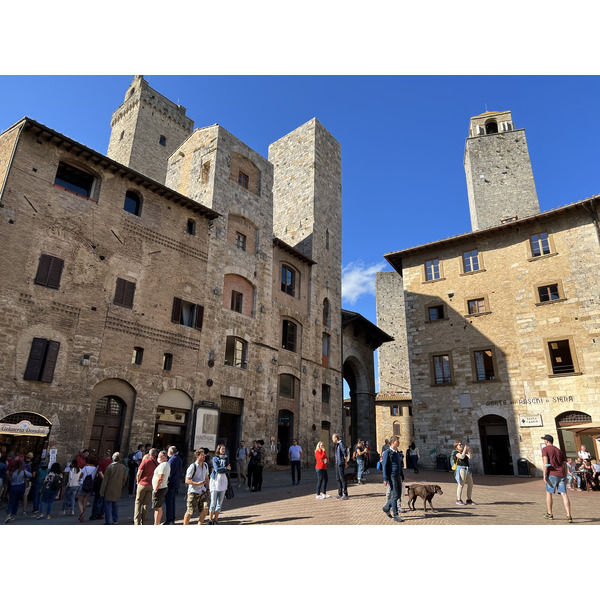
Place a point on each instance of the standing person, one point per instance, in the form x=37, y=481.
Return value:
x=196, y=478
x=583, y=454
x=218, y=482
x=28, y=466
x=555, y=476
x=341, y=462
x=367, y=457
x=258, y=464
x=414, y=457
x=251, y=462
x=241, y=457
x=98, y=503
x=52, y=485
x=295, y=456
x=134, y=460
x=17, y=477
x=386, y=446
x=463, y=474
x=143, y=495
x=72, y=485
x=113, y=482
x=321, y=469
x=38, y=481
x=176, y=466
x=3, y=474
x=393, y=475
x=81, y=458
x=360, y=461
x=160, y=480
x=88, y=473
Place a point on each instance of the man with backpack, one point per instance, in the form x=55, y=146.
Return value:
x=196, y=478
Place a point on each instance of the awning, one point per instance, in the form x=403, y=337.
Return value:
x=585, y=428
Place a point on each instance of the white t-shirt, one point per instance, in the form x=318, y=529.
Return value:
x=163, y=469
x=219, y=484
x=88, y=470
x=584, y=454
x=74, y=478
x=295, y=452
x=199, y=476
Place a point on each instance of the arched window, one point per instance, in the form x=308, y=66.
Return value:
x=133, y=203
x=491, y=127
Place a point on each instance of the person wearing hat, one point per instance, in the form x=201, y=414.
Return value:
x=555, y=476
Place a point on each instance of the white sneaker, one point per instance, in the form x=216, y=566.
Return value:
x=401, y=510
x=319, y=497
x=326, y=495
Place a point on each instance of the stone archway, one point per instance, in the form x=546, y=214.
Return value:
x=362, y=402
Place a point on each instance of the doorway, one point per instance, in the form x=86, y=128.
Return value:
x=107, y=427
x=285, y=428
x=25, y=432
x=495, y=446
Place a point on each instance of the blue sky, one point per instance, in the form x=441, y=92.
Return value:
x=402, y=140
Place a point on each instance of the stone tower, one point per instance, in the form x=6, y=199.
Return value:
x=499, y=177
x=146, y=129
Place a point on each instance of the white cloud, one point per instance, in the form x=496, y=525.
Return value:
x=358, y=280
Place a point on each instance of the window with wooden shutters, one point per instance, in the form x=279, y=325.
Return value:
x=49, y=271
x=187, y=314
x=124, y=292
x=42, y=360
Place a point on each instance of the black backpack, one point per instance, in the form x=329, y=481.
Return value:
x=88, y=483
x=55, y=483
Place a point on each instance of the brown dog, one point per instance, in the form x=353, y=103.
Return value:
x=350, y=477
x=427, y=492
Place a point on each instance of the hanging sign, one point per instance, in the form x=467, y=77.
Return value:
x=24, y=428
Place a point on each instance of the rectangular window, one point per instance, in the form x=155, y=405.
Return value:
x=436, y=313
x=73, y=179
x=289, y=336
x=476, y=306
x=236, y=352
x=471, y=261
x=42, y=360
x=237, y=301
x=441, y=368
x=396, y=428
x=137, y=356
x=124, y=292
x=167, y=362
x=287, y=386
x=548, y=293
x=288, y=281
x=240, y=241
x=394, y=411
x=326, y=350
x=187, y=314
x=49, y=271
x=484, y=365
x=540, y=244
x=560, y=357
x=432, y=269
x=325, y=394
x=191, y=227
x=162, y=140
x=243, y=179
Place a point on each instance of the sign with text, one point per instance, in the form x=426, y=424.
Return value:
x=530, y=420
x=207, y=421
x=24, y=428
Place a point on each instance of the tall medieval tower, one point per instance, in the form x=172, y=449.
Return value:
x=500, y=181
x=146, y=129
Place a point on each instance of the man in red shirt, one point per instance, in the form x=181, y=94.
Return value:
x=555, y=476
x=143, y=495
x=80, y=458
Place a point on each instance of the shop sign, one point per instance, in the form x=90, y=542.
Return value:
x=24, y=428
x=168, y=429
x=530, y=420
x=205, y=436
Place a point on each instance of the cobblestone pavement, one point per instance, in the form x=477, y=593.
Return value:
x=500, y=500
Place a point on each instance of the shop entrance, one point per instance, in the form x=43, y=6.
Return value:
x=495, y=446
x=230, y=419
x=108, y=425
x=285, y=427
x=172, y=420
x=25, y=432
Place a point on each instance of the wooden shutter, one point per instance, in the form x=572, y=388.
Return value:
x=119, y=291
x=124, y=293
x=56, y=268
x=49, y=271
x=199, y=316
x=50, y=362
x=36, y=358
x=176, y=313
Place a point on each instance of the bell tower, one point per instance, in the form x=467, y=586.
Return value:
x=500, y=180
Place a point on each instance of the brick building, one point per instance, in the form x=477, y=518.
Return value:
x=501, y=325
x=181, y=289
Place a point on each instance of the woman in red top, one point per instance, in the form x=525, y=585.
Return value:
x=321, y=469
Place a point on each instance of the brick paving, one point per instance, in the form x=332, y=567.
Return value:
x=500, y=501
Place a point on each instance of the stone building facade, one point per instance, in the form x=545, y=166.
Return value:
x=502, y=329
x=187, y=293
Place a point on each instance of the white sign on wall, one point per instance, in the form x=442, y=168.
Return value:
x=530, y=420
x=205, y=436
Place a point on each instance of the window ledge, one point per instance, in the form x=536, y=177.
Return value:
x=495, y=380
x=438, y=320
x=532, y=258
x=481, y=314
x=551, y=302
x=441, y=384
x=554, y=375
x=60, y=187
x=472, y=272
x=434, y=280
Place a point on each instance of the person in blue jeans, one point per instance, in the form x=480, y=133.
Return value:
x=39, y=477
x=17, y=478
x=176, y=465
x=113, y=483
x=52, y=484
x=393, y=475
x=295, y=456
x=361, y=455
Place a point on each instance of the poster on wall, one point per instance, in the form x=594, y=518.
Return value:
x=205, y=436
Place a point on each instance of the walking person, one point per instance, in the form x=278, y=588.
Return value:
x=321, y=470
x=196, y=478
x=341, y=462
x=414, y=457
x=38, y=482
x=360, y=454
x=143, y=495
x=241, y=457
x=113, y=482
x=176, y=466
x=72, y=485
x=17, y=477
x=251, y=460
x=88, y=473
x=393, y=475
x=160, y=480
x=259, y=458
x=218, y=482
x=295, y=456
x=555, y=476
x=52, y=485
x=463, y=476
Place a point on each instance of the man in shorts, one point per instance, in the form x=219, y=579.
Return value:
x=160, y=480
x=196, y=478
x=555, y=476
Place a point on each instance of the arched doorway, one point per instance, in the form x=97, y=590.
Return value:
x=25, y=432
x=495, y=446
x=108, y=425
x=362, y=403
x=570, y=440
x=285, y=435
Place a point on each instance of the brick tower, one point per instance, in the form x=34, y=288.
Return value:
x=499, y=177
x=146, y=129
